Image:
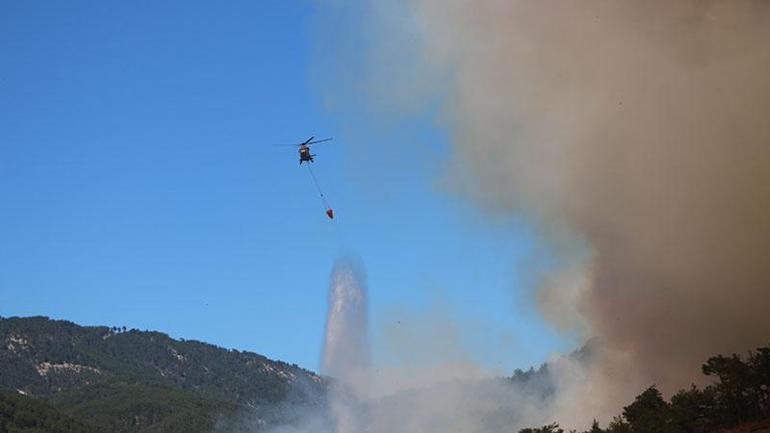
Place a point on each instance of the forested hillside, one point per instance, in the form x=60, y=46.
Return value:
x=19, y=413
x=123, y=380
x=738, y=400
x=58, y=377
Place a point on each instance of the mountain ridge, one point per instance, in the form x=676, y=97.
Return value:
x=44, y=356
x=132, y=381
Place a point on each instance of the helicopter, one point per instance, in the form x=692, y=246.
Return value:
x=304, y=149
x=306, y=156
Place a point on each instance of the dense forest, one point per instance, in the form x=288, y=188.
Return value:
x=58, y=377
x=67, y=377
x=41, y=356
x=740, y=394
x=19, y=413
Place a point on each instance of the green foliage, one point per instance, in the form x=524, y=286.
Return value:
x=595, y=428
x=144, y=382
x=760, y=365
x=649, y=413
x=22, y=414
x=550, y=428
x=534, y=383
x=736, y=393
x=72, y=356
x=694, y=410
x=124, y=407
x=619, y=425
x=129, y=381
x=741, y=393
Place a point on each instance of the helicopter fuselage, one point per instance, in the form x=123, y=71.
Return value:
x=305, y=155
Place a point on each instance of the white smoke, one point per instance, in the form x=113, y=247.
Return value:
x=346, y=353
x=346, y=356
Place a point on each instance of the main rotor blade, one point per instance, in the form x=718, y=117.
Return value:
x=319, y=141
x=308, y=142
x=284, y=145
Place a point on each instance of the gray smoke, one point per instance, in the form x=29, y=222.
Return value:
x=642, y=130
x=635, y=135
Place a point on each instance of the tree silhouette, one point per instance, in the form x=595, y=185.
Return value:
x=736, y=396
x=649, y=413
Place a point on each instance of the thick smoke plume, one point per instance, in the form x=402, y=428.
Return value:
x=636, y=136
x=640, y=130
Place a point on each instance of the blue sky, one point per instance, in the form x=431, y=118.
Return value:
x=138, y=186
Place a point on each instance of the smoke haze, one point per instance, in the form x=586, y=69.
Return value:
x=450, y=396
x=636, y=136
